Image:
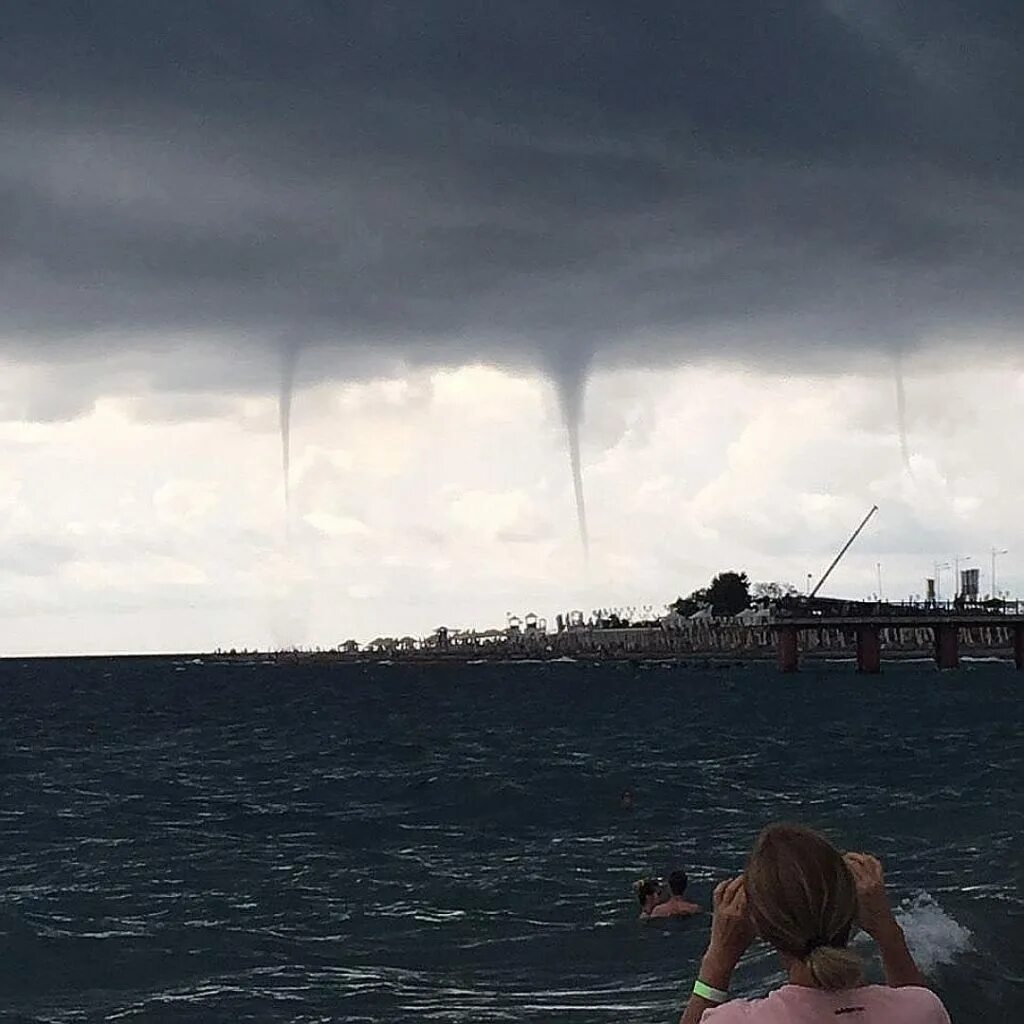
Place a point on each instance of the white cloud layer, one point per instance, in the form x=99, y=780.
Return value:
x=444, y=497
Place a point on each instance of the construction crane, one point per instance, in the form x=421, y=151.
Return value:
x=846, y=547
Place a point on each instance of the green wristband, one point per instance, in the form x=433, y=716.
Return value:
x=712, y=995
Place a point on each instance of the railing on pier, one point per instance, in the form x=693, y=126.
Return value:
x=831, y=608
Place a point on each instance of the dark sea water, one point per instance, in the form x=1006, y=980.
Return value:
x=251, y=843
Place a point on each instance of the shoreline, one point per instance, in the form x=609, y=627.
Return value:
x=692, y=659
x=712, y=658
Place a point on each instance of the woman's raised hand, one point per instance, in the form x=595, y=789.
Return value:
x=874, y=914
x=731, y=930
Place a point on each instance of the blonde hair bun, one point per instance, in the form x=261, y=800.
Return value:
x=833, y=968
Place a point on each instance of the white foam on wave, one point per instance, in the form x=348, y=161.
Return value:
x=932, y=935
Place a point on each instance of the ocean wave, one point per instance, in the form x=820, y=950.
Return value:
x=933, y=936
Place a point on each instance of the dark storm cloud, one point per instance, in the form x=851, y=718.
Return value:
x=515, y=182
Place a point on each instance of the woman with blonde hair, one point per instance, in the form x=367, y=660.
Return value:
x=805, y=898
x=648, y=894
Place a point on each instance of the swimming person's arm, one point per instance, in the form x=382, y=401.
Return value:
x=731, y=934
x=875, y=916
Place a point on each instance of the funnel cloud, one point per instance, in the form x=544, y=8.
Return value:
x=570, y=396
x=289, y=365
x=901, y=414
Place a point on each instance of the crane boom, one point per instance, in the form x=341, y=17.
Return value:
x=846, y=547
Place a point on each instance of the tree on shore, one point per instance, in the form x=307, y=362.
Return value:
x=687, y=606
x=728, y=594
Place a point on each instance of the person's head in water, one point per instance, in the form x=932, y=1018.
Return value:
x=675, y=903
x=627, y=800
x=802, y=899
x=677, y=882
x=647, y=893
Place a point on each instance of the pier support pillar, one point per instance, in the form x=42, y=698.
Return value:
x=788, y=649
x=947, y=650
x=1018, y=646
x=869, y=650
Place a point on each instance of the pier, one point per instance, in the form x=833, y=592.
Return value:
x=873, y=629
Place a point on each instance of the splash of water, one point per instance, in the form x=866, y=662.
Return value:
x=933, y=936
x=901, y=413
x=570, y=395
x=289, y=366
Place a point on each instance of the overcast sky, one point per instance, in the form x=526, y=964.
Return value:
x=708, y=235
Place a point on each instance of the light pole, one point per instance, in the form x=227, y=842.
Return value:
x=995, y=552
x=878, y=566
x=810, y=576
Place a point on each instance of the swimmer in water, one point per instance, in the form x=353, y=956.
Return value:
x=676, y=905
x=648, y=893
x=627, y=800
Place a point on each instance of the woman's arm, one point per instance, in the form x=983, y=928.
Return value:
x=875, y=916
x=731, y=934
x=715, y=970
x=897, y=960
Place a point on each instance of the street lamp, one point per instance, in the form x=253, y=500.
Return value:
x=956, y=578
x=995, y=552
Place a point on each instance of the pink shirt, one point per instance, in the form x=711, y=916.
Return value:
x=796, y=1004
